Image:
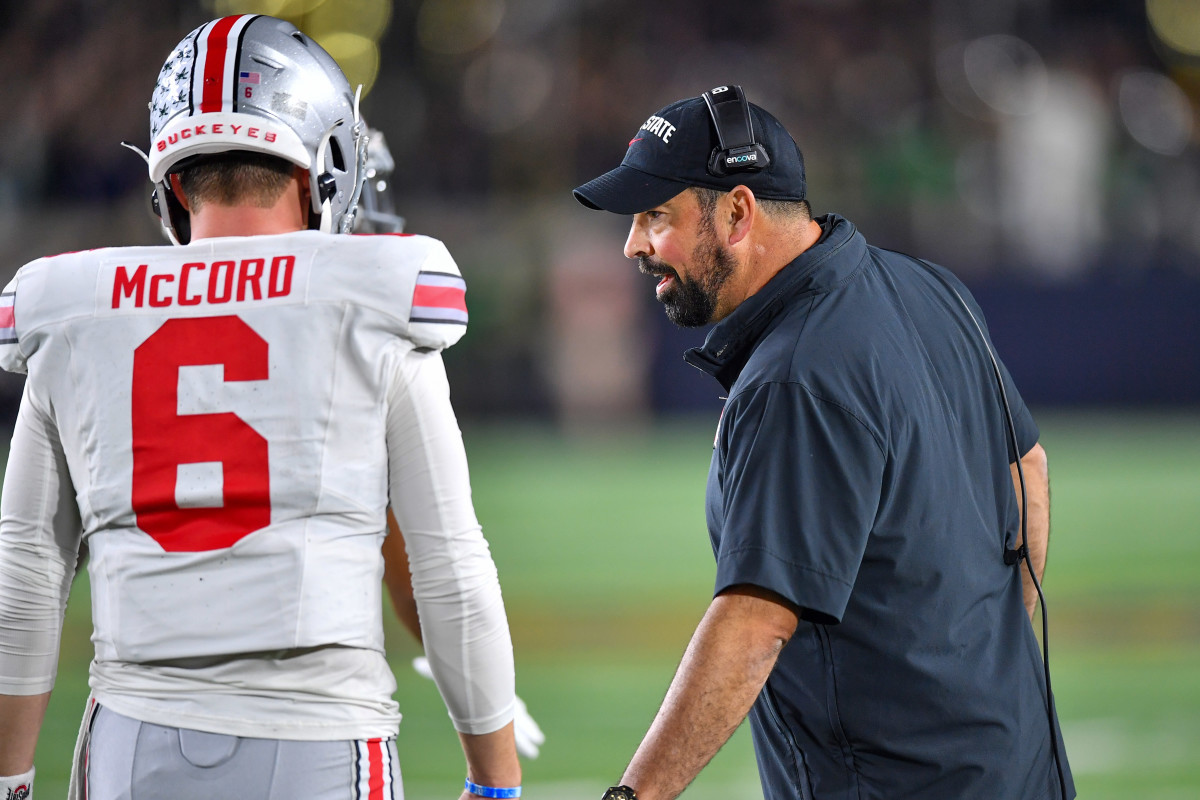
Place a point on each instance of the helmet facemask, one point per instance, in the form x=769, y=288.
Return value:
x=376, y=212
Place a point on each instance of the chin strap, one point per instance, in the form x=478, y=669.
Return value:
x=138, y=150
x=321, y=184
x=159, y=201
x=167, y=207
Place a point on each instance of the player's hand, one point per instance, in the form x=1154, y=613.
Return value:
x=528, y=734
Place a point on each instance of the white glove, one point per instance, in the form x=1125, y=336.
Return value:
x=526, y=731
x=20, y=787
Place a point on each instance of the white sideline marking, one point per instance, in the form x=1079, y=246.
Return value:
x=1113, y=744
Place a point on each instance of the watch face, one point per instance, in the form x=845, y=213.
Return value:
x=619, y=793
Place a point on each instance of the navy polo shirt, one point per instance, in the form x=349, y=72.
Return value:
x=861, y=470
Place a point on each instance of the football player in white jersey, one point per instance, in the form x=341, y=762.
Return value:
x=376, y=214
x=225, y=424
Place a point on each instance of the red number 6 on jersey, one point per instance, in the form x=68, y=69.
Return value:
x=163, y=438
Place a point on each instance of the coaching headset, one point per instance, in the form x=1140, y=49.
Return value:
x=738, y=151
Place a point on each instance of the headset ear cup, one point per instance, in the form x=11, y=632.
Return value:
x=751, y=158
x=716, y=163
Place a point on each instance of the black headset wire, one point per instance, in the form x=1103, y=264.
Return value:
x=1022, y=552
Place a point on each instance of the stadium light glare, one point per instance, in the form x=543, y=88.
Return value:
x=298, y=8
x=222, y=8
x=455, y=27
x=367, y=18
x=358, y=56
x=1176, y=23
x=1155, y=111
x=1006, y=73
x=503, y=89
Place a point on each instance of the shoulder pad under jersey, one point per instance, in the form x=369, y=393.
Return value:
x=35, y=295
x=433, y=289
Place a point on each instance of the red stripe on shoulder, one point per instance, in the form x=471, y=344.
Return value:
x=440, y=297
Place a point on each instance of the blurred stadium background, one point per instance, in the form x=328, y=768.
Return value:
x=1046, y=150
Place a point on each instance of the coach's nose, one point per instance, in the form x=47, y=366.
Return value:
x=638, y=243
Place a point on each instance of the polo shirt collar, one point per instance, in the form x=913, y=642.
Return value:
x=831, y=260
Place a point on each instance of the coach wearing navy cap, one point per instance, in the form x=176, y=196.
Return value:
x=875, y=583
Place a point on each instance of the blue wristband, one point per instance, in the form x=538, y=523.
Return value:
x=492, y=791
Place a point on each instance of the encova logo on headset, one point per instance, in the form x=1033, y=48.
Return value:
x=745, y=158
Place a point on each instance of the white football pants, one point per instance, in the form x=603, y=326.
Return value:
x=124, y=759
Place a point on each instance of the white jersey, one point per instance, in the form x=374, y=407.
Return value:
x=230, y=420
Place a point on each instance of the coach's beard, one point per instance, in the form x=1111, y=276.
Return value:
x=692, y=303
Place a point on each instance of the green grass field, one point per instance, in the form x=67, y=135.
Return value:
x=606, y=570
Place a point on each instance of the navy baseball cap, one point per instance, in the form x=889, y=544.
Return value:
x=673, y=149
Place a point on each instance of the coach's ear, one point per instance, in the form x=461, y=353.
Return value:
x=740, y=211
x=177, y=188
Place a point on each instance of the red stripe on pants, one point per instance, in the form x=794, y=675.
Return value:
x=374, y=770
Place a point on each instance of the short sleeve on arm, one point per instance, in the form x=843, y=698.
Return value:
x=1026, y=429
x=799, y=485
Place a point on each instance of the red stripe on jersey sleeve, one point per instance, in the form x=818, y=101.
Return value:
x=440, y=297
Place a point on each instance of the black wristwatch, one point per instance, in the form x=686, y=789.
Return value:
x=620, y=793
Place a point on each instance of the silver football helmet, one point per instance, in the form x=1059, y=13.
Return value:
x=252, y=82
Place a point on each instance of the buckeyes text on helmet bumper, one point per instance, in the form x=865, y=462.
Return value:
x=220, y=133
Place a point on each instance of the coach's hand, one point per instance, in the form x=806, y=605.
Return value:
x=526, y=731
